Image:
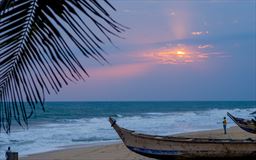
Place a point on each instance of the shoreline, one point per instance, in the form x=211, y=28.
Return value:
x=75, y=146
x=117, y=151
x=93, y=144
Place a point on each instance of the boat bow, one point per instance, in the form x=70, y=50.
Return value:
x=247, y=125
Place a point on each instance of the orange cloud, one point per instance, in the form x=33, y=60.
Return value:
x=180, y=54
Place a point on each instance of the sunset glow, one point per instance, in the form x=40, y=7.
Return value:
x=168, y=43
x=177, y=55
x=180, y=53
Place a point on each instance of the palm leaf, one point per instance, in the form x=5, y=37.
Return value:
x=39, y=41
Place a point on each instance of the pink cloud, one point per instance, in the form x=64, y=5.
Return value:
x=119, y=71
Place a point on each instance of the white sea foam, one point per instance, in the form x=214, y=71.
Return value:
x=50, y=136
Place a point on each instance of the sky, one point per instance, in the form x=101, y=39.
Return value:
x=174, y=51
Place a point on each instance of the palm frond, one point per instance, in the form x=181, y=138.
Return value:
x=39, y=41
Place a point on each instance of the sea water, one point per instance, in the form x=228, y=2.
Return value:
x=81, y=123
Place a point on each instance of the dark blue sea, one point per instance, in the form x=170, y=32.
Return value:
x=81, y=123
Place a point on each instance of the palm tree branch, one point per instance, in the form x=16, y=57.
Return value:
x=37, y=38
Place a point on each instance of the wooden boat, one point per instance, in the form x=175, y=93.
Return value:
x=169, y=147
x=247, y=125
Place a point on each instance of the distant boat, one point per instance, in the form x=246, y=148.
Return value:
x=169, y=147
x=247, y=125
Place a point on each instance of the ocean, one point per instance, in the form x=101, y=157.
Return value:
x=86, y=123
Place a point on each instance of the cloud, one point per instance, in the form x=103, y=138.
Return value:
x=197, y=33
x=205, y=46
x=182, y=54
x=219, y=55
x=179, y=54
x=119, y=71
x=172, y=13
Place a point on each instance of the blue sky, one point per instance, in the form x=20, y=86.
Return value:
x=175, y=50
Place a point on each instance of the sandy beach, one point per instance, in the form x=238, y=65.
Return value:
x=120, y=152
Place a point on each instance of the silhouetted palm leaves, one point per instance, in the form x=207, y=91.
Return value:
x=38, y=44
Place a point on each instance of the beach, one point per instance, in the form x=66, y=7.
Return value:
x=84, y=125
x=120, y=152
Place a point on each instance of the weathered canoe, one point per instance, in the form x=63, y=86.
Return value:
x=247, y=125
x=169, y=147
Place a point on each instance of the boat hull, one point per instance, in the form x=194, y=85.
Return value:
x=166, y=147
x=247, y=125
x=171, y=155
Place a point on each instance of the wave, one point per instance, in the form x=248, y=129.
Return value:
x=117, y=115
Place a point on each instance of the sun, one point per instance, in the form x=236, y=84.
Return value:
x=180, y=53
